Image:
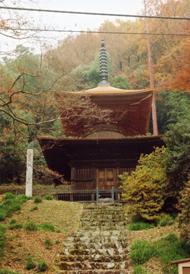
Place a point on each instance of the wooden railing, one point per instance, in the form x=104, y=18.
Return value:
x=97, y=195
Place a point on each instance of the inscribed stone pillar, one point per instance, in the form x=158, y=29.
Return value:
x=29, y=172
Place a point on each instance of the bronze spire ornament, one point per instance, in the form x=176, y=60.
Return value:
x=103, y=65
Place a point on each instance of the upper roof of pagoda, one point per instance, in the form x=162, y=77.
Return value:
x=105, y=111
x=110, y=91
x=129, y=111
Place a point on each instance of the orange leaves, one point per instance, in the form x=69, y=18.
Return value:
x=176, y=67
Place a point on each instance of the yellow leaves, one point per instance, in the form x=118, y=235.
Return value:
x=144, y=188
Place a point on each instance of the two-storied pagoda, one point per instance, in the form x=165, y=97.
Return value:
x=106, y=131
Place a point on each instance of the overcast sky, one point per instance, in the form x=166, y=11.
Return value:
x=65, y=21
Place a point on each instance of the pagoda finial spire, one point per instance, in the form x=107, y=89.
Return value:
x=103, y=65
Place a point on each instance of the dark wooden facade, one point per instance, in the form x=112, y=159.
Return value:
x=91, y=163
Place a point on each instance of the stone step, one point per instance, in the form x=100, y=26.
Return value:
x=83, y=252
x=96, y=257
x=105, y=226
x=102, y=213
x=119, y=243
x=100, y=271
x=88, y=265
x=103, y=223
x=103, y=220
x=88, y=252
x=98, y=234
x=100, y=246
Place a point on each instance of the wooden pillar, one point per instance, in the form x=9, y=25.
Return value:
x=29, y=172
x=151, y=77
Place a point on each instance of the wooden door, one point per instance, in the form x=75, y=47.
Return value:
x=83, y=178
x=106, y=178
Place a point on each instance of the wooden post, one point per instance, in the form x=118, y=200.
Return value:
x=71, y=196
x=92, y=197
x=97, y=195
x=29, y=172
x=112, y=193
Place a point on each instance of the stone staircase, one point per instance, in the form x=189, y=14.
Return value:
x=100, y=244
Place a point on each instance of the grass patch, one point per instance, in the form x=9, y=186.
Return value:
x=63, y=216
x=30, y=226
x=14, y=225
x=9, y=195
x=47, y=227
x=10, y=204
x=42, y=266
x=170, y=249
x=7, y=271
x=141, y=252
x=48, y=244
x=37, y=199
x=167, y=249
x=139, y=270
x=2, y=240
x=165, y=219
x=140, y=225
x=30, y=264
x=48, y=197
x=2, y=215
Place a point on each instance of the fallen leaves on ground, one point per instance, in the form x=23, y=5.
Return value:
x=21, y=244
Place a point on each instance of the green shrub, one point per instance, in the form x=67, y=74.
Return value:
x=170, y=248
x=42, y=266
x=140, y=225
x=30, y=264
x=30, y=226
x=165, y=219
x=184, y=216
x=9, y=195
x=2, y=239
x=48, y=197
x=144, y=188
x=48, y=243
x=47, y=227
x=22, y=198
x=37, y=200
x=34, y=208
x=167, y=249
x=141, y=251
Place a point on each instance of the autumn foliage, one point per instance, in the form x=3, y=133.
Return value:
x=144, y=188
x=80, y=115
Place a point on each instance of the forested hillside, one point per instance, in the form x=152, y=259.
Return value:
x=28, y=81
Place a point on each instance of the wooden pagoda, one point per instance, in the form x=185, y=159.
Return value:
x=106, y=136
